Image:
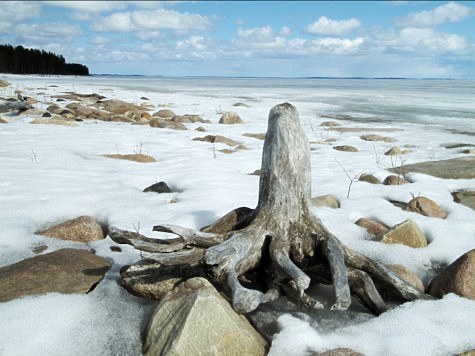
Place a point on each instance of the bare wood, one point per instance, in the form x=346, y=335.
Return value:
x=280, y=238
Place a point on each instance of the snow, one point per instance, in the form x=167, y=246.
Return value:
x=49, y=174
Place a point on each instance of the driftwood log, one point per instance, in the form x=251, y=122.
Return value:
x=278, y=248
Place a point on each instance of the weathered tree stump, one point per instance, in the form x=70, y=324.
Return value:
x=255, y=255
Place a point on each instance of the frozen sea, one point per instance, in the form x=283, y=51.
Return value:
x=52, y=173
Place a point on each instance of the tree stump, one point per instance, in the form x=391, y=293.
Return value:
x=278, y=248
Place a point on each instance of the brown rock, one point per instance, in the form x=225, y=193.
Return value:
x=117, y=107
x=407, y=275
x=187, y=119
x=458, y=278
x=394, y=180
x=374, y=137
x=64, y=271
x=394, y=151
x=406, y=233
x=201, y=129
x=369, y=178
x=137, y=157
x=346, y=148
x=81, y=229
x=466, y=198
x=3, y=121
x=166, y=124
x=230, y=118
x=426, y=207
x=164, y=114
x=146, y=116
x=373, y=227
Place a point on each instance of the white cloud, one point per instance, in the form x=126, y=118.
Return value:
x=58, y=32
x=284, y=31
x=13, y=11
x=450, y=12
x=337, y=45
x=421, y=40
x=257, y=34
x=328, y=27
x=151, y=20
x=100, y=40
x=148, y=35
x=88, y=6
x=195, y=47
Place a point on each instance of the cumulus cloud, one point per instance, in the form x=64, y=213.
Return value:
x=160, y=19
x=337, y=45
x=421, y=40
x=41, y=33
x=194, y=46
x=329, y=27
x=13, y=11
x=450, y=12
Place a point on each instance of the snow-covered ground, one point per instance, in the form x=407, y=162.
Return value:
x=50, y=173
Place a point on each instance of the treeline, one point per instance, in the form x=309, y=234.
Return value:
x=20, y=60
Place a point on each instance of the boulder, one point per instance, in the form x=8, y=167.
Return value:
x=136, y=157
x=81, y=229
x=187, y=119
x=458, y=278
x=369, y=178
x=230, y=118
x=53, y=121
x=195, y=319
x=406, y=233
x=117, y=107
x=63, y=271
x=466, y=198
x=328, y=201
x=166, y=124
x=201, y=129
x=46, y=114
x=160, y=187
x=164, y=114
x=217, y=139
x=4, y=83
x=426, y=207
x=374, y=137
x=455, y=168
x=373, y=227
x=407, y=275
x=345, y=148
x=394, y=180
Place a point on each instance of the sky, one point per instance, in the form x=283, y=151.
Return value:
x=416, y=39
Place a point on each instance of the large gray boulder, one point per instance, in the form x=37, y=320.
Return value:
x=194, y=319
x=64, y=271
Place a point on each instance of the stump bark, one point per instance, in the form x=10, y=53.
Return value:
x=279, y=247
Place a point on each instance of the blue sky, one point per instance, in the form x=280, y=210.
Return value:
x=251, y=38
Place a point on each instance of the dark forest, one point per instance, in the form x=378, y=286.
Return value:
x=20, y=60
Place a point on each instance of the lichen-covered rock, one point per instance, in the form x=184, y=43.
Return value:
x=373, y=227
x=394, y=180
x=136, y=157
x=458, y=278
x=406, y=233
x=426, y=207
x=194, y=319
x=230, y=118
x=328, y=201
x=63, y=271
x=81, y=229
